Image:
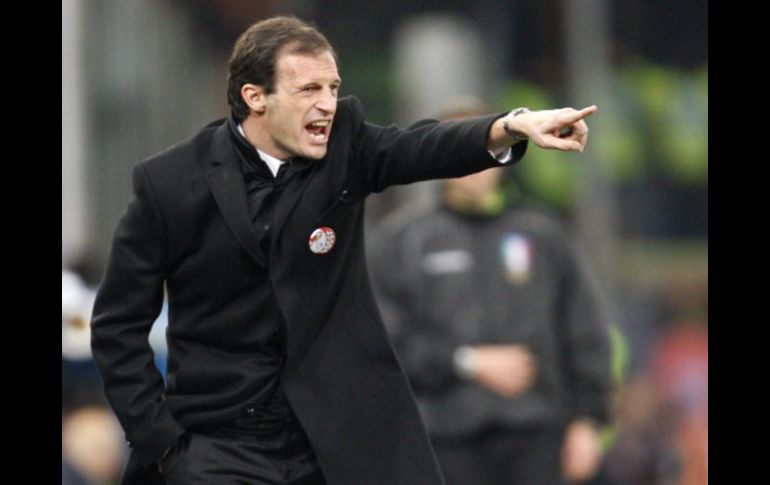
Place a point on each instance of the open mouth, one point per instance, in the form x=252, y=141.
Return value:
x=319, y=130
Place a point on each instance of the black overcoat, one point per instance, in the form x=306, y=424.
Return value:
x=188, y=228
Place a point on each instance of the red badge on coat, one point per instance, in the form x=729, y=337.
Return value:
x=322, y=240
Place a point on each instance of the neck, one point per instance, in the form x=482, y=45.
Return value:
x=255, y=132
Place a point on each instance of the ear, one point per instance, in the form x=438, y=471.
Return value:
x=255, y=97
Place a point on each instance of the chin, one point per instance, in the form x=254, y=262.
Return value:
x=315, y=154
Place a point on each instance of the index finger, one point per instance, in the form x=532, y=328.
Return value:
x=580, y=114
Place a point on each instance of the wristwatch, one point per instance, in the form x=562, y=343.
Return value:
x=517, y=137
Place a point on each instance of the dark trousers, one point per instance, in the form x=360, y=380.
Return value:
x=276, y=453
x=502, y=457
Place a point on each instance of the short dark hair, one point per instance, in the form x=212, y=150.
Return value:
x=256, y=51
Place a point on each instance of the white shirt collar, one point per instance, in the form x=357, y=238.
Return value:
x=272, y=163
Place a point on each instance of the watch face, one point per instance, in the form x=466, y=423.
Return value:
x=517, y=137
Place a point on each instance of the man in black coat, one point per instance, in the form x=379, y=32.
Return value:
x=279, y=368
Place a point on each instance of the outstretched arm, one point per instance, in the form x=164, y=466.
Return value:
x=560, y=129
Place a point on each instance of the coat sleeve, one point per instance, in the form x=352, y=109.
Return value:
x=127, y=303
x=426, y=150
x=585, y=334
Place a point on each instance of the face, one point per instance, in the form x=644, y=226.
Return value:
x=299, y=113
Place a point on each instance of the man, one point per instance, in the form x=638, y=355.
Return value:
x=500, y=332
x=279, y=368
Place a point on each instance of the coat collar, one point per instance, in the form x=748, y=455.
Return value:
x=225, y=180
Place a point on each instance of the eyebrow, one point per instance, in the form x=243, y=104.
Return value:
x=337, y=83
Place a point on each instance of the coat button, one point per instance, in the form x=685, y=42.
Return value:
x=251, y=411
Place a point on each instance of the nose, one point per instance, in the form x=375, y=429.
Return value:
x=327, y=101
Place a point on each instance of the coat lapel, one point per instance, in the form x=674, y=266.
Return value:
x=291, y=195
x=226, y=183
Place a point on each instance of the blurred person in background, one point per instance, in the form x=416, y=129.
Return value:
x=279, y=368
x=664, y=411
x=92, y=447
x=501, y=331
x=679, y=375
x=80, y=378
